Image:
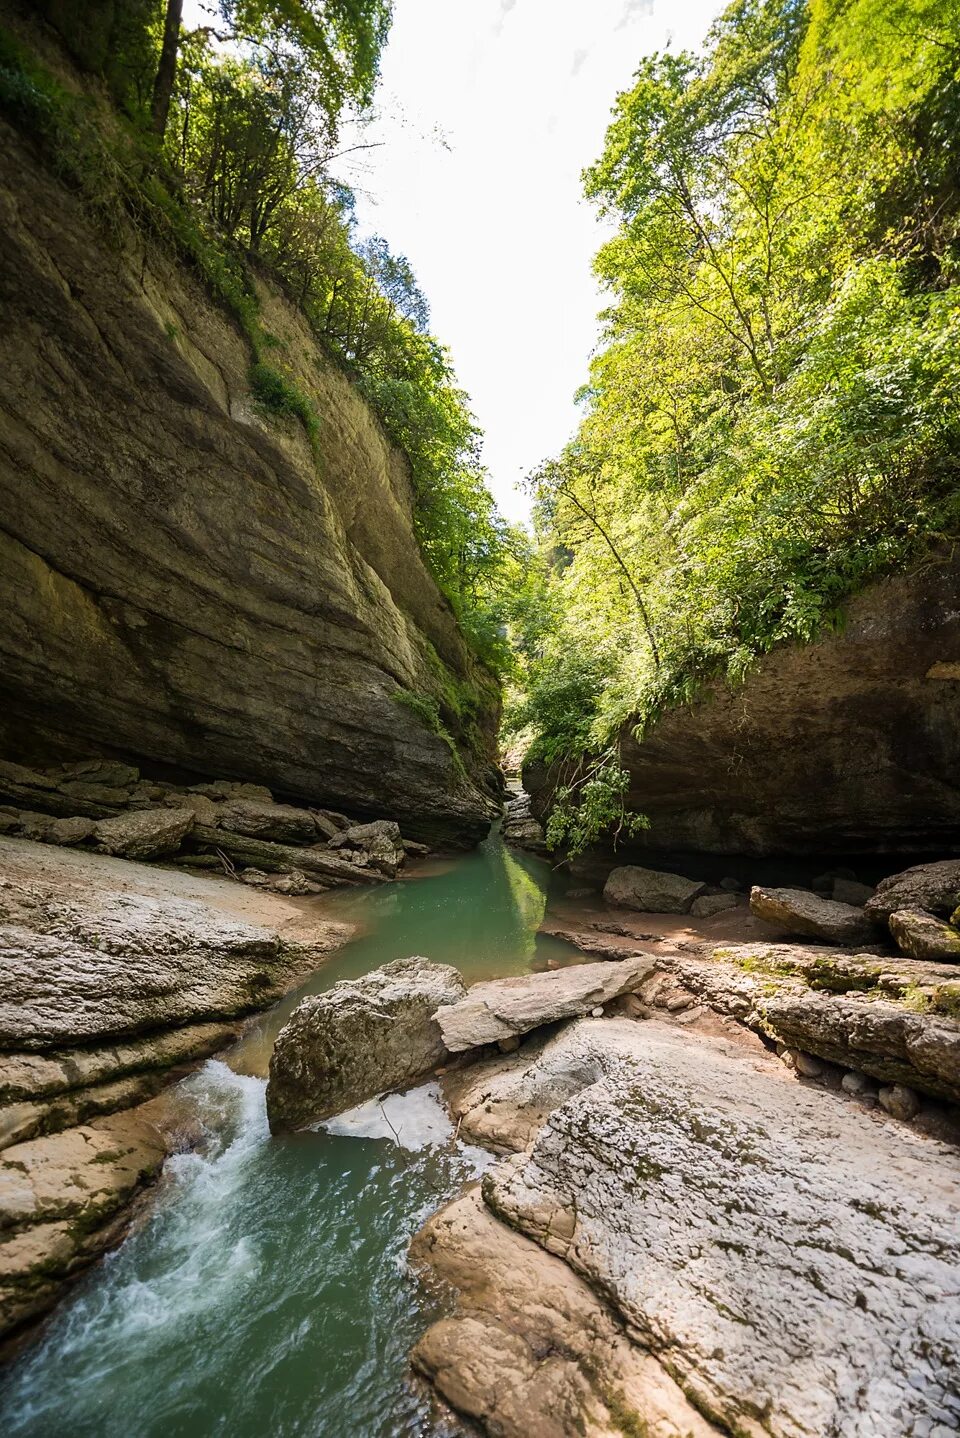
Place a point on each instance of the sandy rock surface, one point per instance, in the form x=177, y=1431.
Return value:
x=792, y=1260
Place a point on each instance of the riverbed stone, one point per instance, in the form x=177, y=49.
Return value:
x=922, y=935
x=361, y=1038
x=802, y=912
x=651, y=891
x=899, y=1101
x=850, y=891
x=709, y=904
x=712, y=1204
x=505, y=1009
x=144, y=833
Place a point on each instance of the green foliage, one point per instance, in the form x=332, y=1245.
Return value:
x=591, y=805
x=277, y=395
x=774, y=416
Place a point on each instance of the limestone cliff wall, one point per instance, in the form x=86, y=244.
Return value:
x=182, y=580
x=850, y=745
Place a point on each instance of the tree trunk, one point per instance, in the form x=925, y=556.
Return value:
x=167, y=68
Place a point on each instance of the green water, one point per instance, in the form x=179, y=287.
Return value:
x=267, y=1292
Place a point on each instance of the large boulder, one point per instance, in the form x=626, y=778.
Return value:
x=144, y=833
x=934, y=887
x=504, y=1009
x=281, y=822
x=651, y=891
x=791, y=1260
x=801, y=912
x=924, y=936
x=360, y=1038
x=378, y=844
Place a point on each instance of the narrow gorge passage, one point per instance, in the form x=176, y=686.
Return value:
x=266, y=1289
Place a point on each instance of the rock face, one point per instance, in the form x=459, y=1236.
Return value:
x=650, y=891
x=801, y=912
x=182, y=581
x=873, y=712
x=504, y=1009
x=712, y=1201
x=358, y=1039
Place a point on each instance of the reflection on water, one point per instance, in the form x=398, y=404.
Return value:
x=267, y=1293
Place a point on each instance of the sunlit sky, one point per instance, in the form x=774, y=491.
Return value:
x=488, y=111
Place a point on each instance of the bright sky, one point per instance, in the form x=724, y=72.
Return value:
x=489, y=111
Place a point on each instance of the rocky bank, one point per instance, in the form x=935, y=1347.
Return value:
x=114, y=975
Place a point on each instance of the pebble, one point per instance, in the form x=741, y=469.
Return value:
x=900, y=1101
x=806, y=1065
x=858, y=1083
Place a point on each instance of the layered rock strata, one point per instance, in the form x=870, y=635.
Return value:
x=186, y=581
x=111, y=973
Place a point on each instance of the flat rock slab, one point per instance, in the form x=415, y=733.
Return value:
x=793, y=1261
x=505, y=1009
x=801, y=912
x=360, y=1038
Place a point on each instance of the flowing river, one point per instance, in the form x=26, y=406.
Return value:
x=266, y=1292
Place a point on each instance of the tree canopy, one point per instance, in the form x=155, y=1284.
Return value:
x=773, y=415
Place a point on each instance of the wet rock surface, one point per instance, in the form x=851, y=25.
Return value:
x=710, y=1199
x=64, y=1199
x=358, y=1039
